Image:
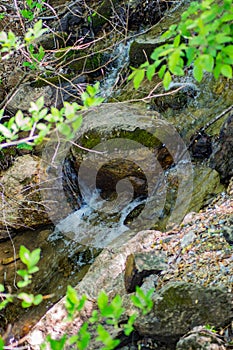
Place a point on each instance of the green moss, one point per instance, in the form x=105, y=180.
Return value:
x=55, y=80
x=84, y=62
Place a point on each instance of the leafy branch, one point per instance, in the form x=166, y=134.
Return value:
x=202, y=39
x=40, y=123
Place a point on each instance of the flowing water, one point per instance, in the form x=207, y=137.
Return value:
x=68, y=249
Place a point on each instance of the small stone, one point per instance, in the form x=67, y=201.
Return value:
x=140, y=265
x=188, y=239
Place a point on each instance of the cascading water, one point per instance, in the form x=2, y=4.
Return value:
x=89, y=226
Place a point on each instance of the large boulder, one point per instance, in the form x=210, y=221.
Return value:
x=20, y=199
x=179, y=306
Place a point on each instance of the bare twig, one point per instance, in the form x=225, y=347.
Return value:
x=215, y=119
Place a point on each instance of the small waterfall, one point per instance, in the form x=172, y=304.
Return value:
x=120, y=58
x=94, y=227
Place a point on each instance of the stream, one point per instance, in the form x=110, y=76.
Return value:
x=70, y=246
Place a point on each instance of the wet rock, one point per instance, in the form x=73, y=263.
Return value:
x=141, y=50
x=143, y=46
x=141, y=265
x=201, y=145
x=204, y=185
x=180, y=306
x=222, y=158
x=200, y=339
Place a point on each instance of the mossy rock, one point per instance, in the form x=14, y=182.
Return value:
x=141, y=50
x=86, y=62
x=180, y=306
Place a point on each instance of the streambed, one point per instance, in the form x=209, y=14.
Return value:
x=64, y=261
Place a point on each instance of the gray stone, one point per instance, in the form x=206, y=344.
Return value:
x=200, y=339
x=180, y=306
x=20, y=197
x=141, y=265
x=187, y=239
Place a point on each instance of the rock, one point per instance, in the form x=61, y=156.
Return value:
x=141, y=265
x=201, y=145
x=20, y=198
x=51, y=41
x=222, y=157
x=71, y=19
x=230, y=188
x=106, y=273
x=143, y=46
x=27, y=93
x=180, y=306
x=227, y=230
x=206, y=185
x=200, y=338
x=188, y=239
x=141, y=50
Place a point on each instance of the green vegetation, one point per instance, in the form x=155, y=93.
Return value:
x=32, y=8
x=203, y=39
x=41, y=123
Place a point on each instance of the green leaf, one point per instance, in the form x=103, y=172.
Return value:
x=57, y=344
x=1, y=343
x=226, y=70
x=5, y=132
x=64, y=129
x=2, y=288
x=197, y=72
x=33, y=269
x=207, y=62
x=190, y=53
x=228, y=50
x=83, y=338
x=27, y=299
x=19, y=119
x=105, y=337
x=77, y=123
x=94, y=316
x=128, y=327
x=173, y=60
x=24, y=255
x=34, y=257
x=222, y=38
x=176, y=42
x=24, y=145
x=102, y=300
x=37, y=299
x=167, y=80
x=150, y=72
x=138, y=78
x=22, y=284
x=162, y=71
x=178, y=71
